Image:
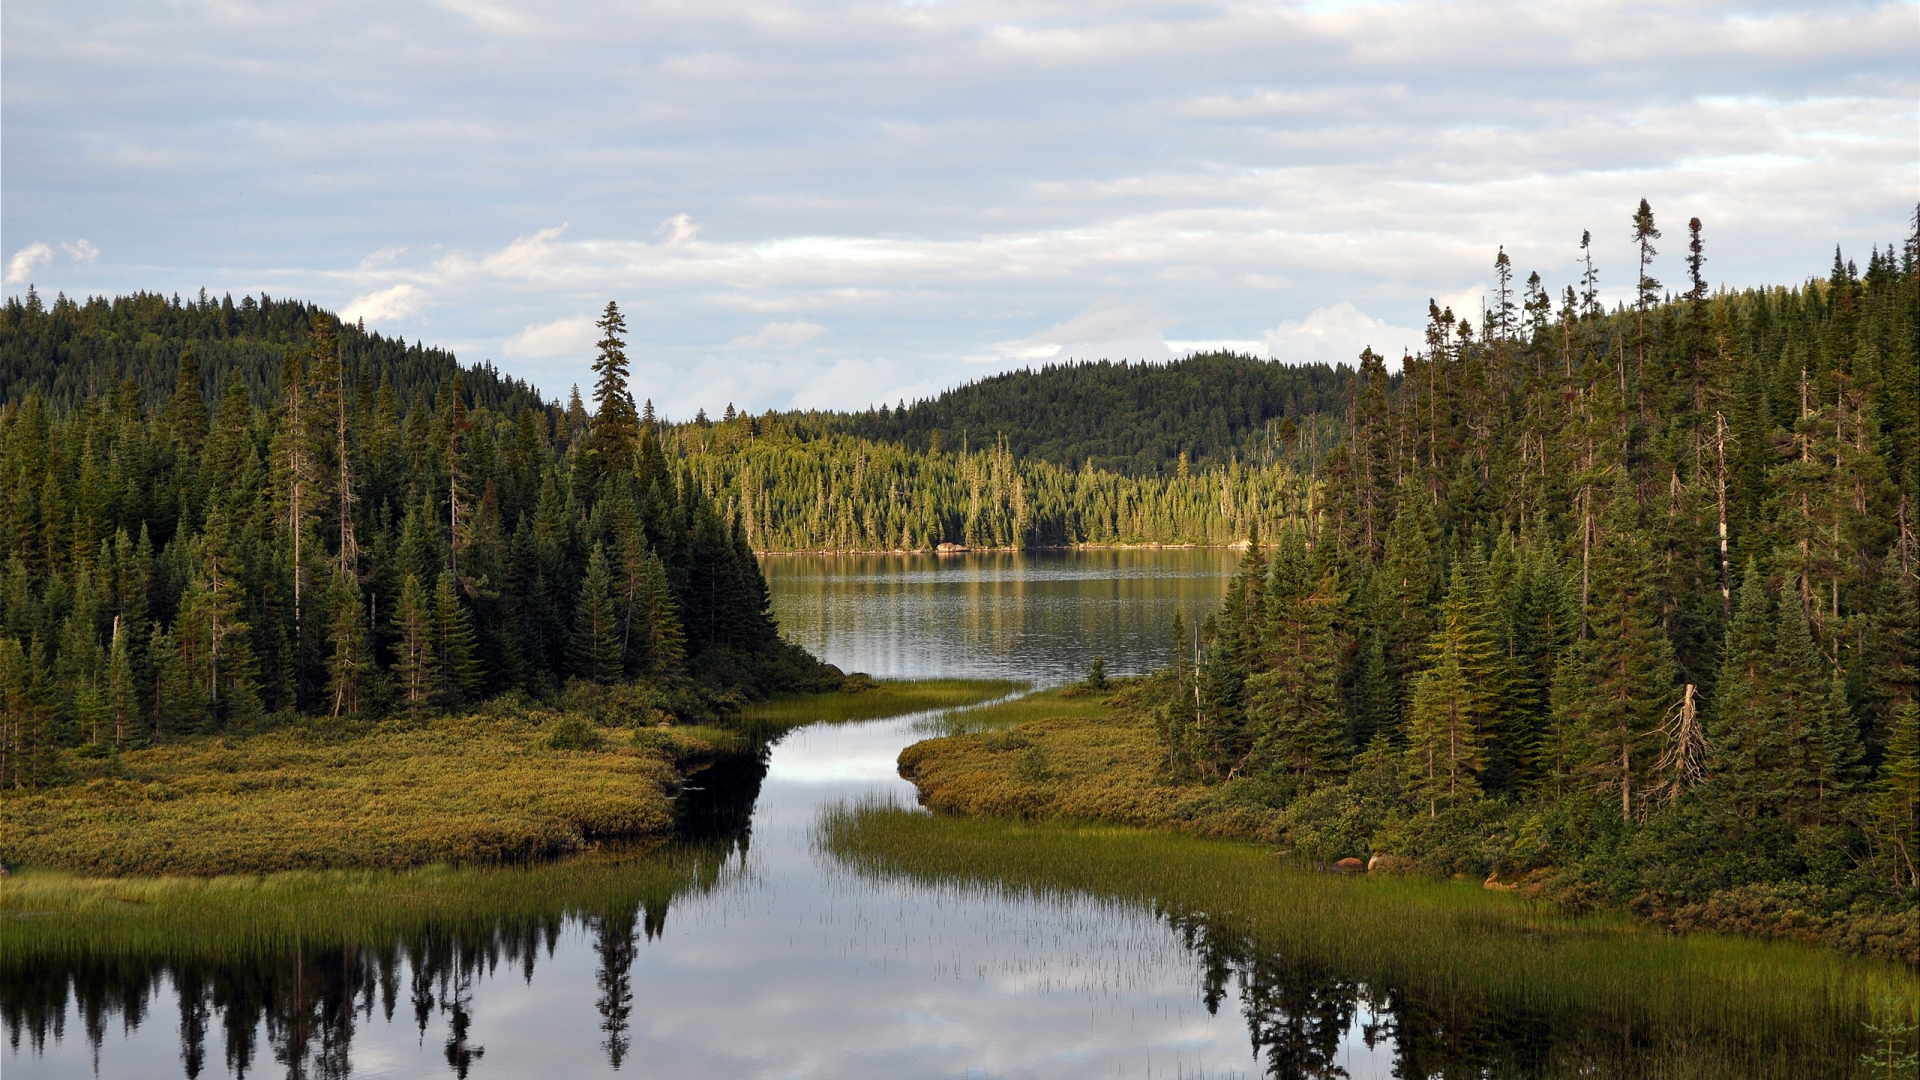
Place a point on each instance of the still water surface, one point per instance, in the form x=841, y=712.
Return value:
x=789, y=965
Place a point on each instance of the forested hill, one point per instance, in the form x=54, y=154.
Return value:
x=314, y=546
x=69, y=350
x=1136, y=419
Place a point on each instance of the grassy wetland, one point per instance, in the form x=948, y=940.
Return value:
x=1466, y=979
x=871, y=700
x=481, y=788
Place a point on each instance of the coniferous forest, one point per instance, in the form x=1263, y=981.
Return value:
x=319, y=521
x=1629, y=594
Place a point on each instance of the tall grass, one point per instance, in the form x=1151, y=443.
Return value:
x=1717, y=1005
x=47, y=915
x=878, y=701
x=476, y=789
x=1066, y=701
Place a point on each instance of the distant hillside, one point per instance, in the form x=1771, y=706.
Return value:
x=68, y=350
x=1131, y=418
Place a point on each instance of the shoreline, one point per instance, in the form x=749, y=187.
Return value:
x=962, y=549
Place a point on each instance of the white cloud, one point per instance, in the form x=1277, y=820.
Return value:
x=779, y=333
x=1248, y=348
x=676, y=230
x=1111, y=328
x=20, y=267
x=81, y=252
x=556, y=338
x=932, y=179
x=1336, y=334
x=397, y=303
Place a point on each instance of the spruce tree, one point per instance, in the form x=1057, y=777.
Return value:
x=614, y=432
x=1896, y=800
x=456, y=667
x=1449, y=703
x=415, y=667
x=1174, y=719
x=596, y=624
x=1744, y=743
x=1624, y=667
x=1294, y=718
x=123, y=696
x=660, y=646
x=349, y=663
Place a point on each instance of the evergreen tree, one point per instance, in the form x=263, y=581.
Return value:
x=1896, y=803
x=1293, y=701
x=415, y=666
x=596, y=623
x=658, y=643
x=456, y=669
x=1624, y=668
x=1449, y=704
x=349, y=661
x=614, y=434
x=1744, y=735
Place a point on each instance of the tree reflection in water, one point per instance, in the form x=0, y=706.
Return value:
x=1303, y=1018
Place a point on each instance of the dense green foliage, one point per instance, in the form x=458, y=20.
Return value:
x=71, y=351
x=1137, y=419
x=317, y=544
x=794, y=489
x=1623, y=599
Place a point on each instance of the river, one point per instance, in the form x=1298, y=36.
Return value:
x=790, y=965
x=767, y=956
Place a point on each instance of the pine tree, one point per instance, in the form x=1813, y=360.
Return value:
x=1293, y=702
x=1624, y=668
x=456, y=669
x=1743, y=736
x=596, y=624
x=1896, y=803
x=659, y=644
x=1449, y=703
x=123, y=697
x=614, y=434
x=349, y=661
x=415, y=668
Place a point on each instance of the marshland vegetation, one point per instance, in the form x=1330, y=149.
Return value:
x=1467, y=981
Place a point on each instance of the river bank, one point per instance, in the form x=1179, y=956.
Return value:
x=513, y=782
x=1059, y=756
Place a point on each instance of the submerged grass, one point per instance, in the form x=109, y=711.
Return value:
x=58, y=915
x=1750, y=1007
x=475, y=789
x=875, y=701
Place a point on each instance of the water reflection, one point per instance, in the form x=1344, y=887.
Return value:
x=772, y=958
x=1039, y=616
x=305, y=1007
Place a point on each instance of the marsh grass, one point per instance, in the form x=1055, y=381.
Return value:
x=1085, y=758
x=1730, y=1006
x=483, y=789
x=53, y=915
x=1072, y=702
x=877, y=701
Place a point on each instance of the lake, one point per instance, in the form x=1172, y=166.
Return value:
x=774, y=958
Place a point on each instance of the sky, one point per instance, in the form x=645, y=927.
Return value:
x=837, y=205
